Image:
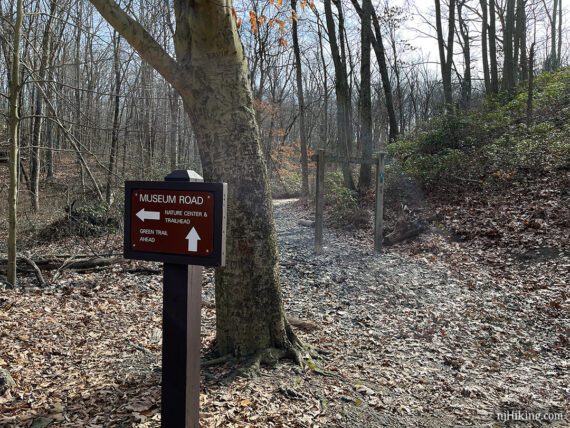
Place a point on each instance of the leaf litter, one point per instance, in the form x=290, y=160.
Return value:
x=424, y=335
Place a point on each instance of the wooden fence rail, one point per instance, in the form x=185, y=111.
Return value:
x=321, y=158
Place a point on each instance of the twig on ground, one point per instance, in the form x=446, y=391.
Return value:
x=37, y=270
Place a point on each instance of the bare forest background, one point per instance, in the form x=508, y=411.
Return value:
x=90, y=108
x=439, y=86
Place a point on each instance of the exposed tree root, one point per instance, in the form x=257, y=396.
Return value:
x=298, y=351
x=305, y=325
x=216, y=361
x=302, y=354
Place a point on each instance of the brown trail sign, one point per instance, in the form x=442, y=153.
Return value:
x=177, y=222
x=181, y=222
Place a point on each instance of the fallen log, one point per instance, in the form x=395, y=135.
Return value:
x=307, y=223
x=144, y=271
x=305, y=325
x=92, y=263
x=405, y=230
x=60, y=256
x=27, y=265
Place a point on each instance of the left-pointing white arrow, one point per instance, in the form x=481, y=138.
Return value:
x=148, y=215
x=193, y=239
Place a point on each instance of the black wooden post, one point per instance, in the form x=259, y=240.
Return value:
x=182, y=296
x=379, y=208
x=319, y=203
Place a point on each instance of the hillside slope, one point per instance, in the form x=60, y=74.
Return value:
x=497, y=187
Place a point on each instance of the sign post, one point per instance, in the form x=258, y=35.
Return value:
x=180, y=222
x=379, y=206
x=320, y=204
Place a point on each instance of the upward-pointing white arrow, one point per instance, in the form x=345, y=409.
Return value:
x=148, y=215
x=193, y=239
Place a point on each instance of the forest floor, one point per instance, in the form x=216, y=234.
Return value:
x=427, y=334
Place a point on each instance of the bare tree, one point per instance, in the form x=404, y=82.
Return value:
x=446, y=49
x=553, y=62
x=484, y=45
x=530, y=90
x=559, y=53
x=116, y=111
x=343, y=98
x=365, y=105
x=509, y=66
x=376, y=39
x=520, y=41
x=39, y=110
x=14, y=124
x=493, y=47
x=465, y=43
x=301, y=101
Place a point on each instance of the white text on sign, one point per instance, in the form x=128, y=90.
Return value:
x=171, y=199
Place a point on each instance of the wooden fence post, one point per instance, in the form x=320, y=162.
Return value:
x=379, y=209
x=319, y=203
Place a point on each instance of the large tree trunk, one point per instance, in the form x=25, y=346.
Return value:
x=211, y=75
x=559, y=54
x=446, y=49
x=509, y=64
x=554, y=61
x=521, y=37
x=324, y=129
x=50, y=137
x=484, y=51
x=464, y=31
x=249, y=308
x=399, y=91
x=365, y=178
x=493, y=48
x=14, y=121
x=530, y=91
x=301, y=100
x=174, y=129
x=116, y=121
x=386, y=84
x=77, y=133
x=378, y=45
x=343, y=104
x=38, y=112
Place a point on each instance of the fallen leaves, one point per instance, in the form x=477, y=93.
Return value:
x=433, y=336
x=70, y=353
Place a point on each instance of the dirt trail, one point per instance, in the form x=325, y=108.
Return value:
x=431, y=348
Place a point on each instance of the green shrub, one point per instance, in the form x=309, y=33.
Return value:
x=493, y=141
x=337, y=195
x=444, y=132
x=93, y=218
x=432, y=170
x=560, y=150
x=342, y=205
x=516, y=107
x=532, y=148
x=86, y=219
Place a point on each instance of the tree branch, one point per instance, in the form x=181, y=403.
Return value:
x=141, y=40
